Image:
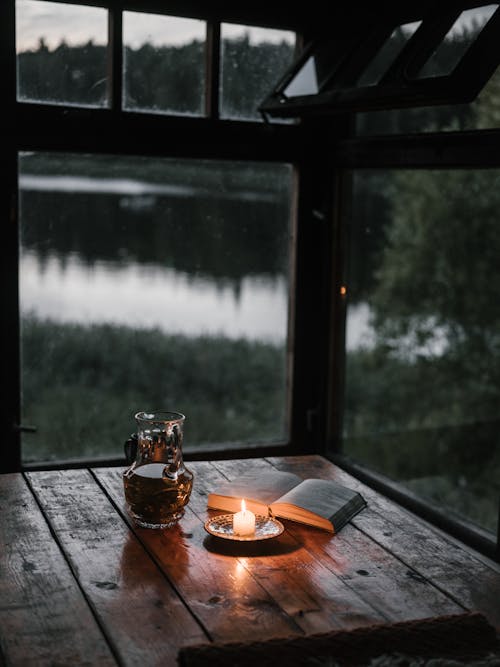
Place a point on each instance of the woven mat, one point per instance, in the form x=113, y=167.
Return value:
x=460, y=637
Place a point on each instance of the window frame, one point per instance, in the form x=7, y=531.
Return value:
x=30, y=126
x=399, y=86
x=446, y=150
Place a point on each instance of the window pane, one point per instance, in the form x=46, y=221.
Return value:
x=423, y=343
x=456, y=42
x=163, y=63
x=305, y=82
x=252, y=60
x=147, y=283
x=61, y=53
x=388, y=54
x=314, y=73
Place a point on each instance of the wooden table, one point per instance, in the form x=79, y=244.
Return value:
x=80, y=585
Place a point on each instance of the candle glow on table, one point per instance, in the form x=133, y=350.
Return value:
x=244, y=521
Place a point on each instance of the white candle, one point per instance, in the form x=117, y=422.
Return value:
x=244, y=521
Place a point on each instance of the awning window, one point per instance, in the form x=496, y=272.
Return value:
x=444, y=57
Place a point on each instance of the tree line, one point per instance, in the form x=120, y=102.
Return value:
x=164, y=78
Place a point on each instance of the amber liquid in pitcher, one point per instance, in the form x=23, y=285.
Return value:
x=155, y=501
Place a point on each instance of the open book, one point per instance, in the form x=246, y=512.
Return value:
x=316, y=502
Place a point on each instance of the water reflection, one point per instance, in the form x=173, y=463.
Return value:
x=173, y=301
x=190, y=248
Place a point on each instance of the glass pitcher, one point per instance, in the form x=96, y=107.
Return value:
x=157, y=483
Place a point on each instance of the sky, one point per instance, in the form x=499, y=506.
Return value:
x=78, y=24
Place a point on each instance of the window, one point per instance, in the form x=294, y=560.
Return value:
x=482, y=113
x=388, y=53
x=423, y=349
x=163, y=64
x=155, y=256
x=251, y=59
x=313, y=73
x=62, y=54
x=457, y=41
x=146, y=280
x=446, y=56
x=418, y=413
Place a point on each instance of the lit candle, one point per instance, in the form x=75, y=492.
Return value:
x=244, y=521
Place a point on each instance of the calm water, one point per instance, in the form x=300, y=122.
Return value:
x=186, y=258
x=148, y=296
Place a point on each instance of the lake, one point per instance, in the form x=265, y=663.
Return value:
x=147, y=296
x=203, y=254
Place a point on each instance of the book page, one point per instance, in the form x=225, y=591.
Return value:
x=319, y=496
x=263, y=489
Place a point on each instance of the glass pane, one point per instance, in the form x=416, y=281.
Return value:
x=163, y=64
x=252, y=61
x=314, y=73
x=388, y=54
x=423, y=344
x=156, y=283
x=61, y=53
x=305, y=82
x=456, y=42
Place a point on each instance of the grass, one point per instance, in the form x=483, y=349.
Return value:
x=82, y=386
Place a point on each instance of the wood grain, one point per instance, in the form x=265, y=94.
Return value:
x=293, y=576
x=44, y=618
x=362, y=566
x=143, y=617
x=80, y=584
x=468, y=580
x=222, y=594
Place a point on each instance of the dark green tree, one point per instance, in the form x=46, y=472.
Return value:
x=436, y=297
x=166, y=78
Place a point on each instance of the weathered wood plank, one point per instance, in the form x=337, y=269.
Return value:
x=468, y=580
x=295, y=578
x=221, y=593
x=388, y=586
x=44, y=618
x=387, y=564
x=141, y=613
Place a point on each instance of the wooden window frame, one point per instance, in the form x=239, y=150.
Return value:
x=400, y=85
x=29, y=126
x=440, y=150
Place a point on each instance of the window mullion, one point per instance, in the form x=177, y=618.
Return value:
x=212, y=78
x=115, y=59
x=9, y=375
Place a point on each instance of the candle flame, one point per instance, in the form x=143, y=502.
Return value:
x=243, y=506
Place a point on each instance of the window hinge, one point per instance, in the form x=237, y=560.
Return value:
x=24, y=428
